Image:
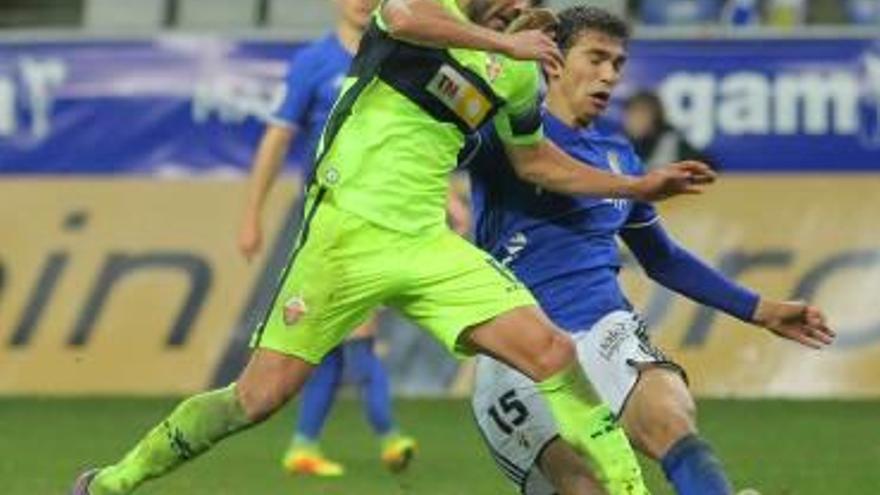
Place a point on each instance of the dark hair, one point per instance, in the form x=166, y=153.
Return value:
x=651, y=100
x=574, y=21
x=537, y=3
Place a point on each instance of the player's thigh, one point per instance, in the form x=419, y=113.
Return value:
x=451, y=286
x=514, y=421
x=614, y=353
x=331, y=285
x=659, y=412
x=525, y=339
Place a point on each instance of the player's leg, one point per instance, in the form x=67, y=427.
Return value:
x=313, y=311
x=648, y=392
x=470, y=303
x=368, y=372
x=520, y=432
x=304, y=455
x=202, y=420
x=659, y=417
x=566, y=471
x=587, y=425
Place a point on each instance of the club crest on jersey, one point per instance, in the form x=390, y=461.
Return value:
x=294, y=310
x=460, y=95
x=494, y=67
x=614, y=162
x=614, y=165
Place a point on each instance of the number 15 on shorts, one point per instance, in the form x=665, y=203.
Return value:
x=508, y=412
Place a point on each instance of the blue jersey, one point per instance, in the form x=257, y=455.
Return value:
x=563, y=248
x=311, y=87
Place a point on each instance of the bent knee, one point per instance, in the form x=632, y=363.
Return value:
x=657, y=430
x=268, y=381
x=260, y=399
x=261, y=402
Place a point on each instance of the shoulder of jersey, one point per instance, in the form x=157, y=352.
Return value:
x=317, y=49
x=613, y=139
x=610, y=134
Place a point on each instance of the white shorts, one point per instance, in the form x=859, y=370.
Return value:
x=512, y=416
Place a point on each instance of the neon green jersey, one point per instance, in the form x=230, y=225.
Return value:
x=389, y=162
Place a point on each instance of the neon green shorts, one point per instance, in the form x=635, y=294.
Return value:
x=344, y=267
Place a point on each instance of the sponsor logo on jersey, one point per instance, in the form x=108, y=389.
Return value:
x=460, y=95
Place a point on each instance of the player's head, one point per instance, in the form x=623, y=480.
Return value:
x=498, y=14
x=355, y=13
x=593, y=42
x=643, y=115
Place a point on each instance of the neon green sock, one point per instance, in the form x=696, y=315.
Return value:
x=570, y=397
x=191, y=429
x=592, y=430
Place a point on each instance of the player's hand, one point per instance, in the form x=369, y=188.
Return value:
x=795, y=320
x=533, y=44
x=250, y=237
x=687, y=177
x=458, y=215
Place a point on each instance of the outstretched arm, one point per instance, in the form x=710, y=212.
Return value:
x=675, y=268
x=267, y=162
x=426, y=22
x=545, y=165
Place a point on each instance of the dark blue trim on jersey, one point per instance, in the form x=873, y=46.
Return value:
x=304, y=236
x=515, y=474
x=674, y=267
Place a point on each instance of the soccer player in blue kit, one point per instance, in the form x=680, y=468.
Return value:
x=565, y=250
x=311, y=88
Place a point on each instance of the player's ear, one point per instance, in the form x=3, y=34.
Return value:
x=553, y=71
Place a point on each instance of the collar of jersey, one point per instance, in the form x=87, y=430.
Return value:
x=553, y=126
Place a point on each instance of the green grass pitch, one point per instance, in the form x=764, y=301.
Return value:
x=777, y=447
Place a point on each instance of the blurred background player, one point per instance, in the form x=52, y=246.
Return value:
x=656, y=141
x=564, y=249
x=311, y=87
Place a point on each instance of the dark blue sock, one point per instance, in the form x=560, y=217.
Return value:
x=318, y=395
x=369, y=374
x=692, y=468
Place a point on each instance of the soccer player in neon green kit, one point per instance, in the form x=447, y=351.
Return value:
x=375, y=233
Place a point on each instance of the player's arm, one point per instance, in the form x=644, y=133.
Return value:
x=267, y=163
x=427, y=22
x=290, y=115
x=545, y=165
x=672, y=266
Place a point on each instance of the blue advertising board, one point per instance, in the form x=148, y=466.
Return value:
x=769, y=105
x=195, y=105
